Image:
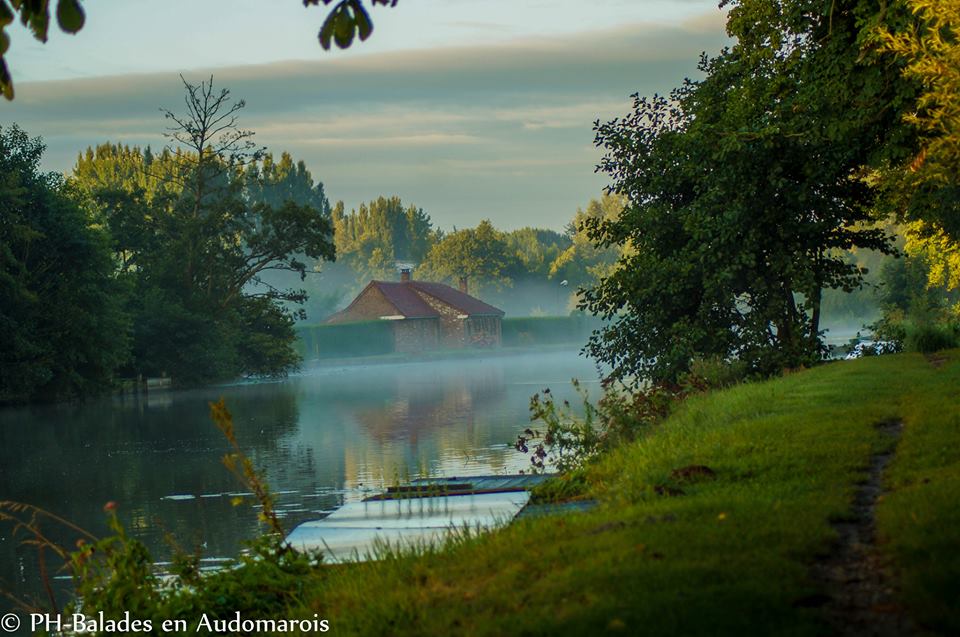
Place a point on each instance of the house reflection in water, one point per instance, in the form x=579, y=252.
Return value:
x=426, y=420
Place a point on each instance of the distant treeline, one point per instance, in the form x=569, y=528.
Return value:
x=527, y=271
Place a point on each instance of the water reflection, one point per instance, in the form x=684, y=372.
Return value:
x=323, y=438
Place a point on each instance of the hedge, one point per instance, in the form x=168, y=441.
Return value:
x=344, y=340
x=548, y=330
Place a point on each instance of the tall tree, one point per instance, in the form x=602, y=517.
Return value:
x=63, y=332
x=925, y=189
x=583, y=263
x=372, y=239
x=201, y=228
x=536, y=249
x=480, y=255
x=741, y=194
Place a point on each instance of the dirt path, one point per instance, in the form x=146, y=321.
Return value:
x=861, y=597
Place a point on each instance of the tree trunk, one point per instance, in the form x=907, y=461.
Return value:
x=816, y=300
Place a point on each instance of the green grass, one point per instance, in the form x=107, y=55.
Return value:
x=919, y=518
x=729, y=557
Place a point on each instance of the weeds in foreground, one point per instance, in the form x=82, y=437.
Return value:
x=568, y=441
x=116, y=575
x=242, y=467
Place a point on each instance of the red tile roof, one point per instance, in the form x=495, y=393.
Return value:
x=467, y=304
x=406, y=297
x=407, y=302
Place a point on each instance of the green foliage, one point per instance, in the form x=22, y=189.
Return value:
x=917, y=315
x=890, y=327
x=570, y=441
x=536, y=252
x=63, y=330
x=928, y=338
x=204, y=233
x=348, y=17
x=925, y=187
x=266, y=338
x=547, y=330
x=35, y=15
x=732, y=554
x=905, y=289
x=370, y=338
x=480, y=255
x=370, y=241
x=583, y=263
x=716, y=372
x=727, y=259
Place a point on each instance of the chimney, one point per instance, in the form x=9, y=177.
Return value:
x=405, y=275
x=463, y=284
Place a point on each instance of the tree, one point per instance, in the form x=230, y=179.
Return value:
x=63, y=331
x=372, y=239
x=479, y=254
x=201, y=229
x=536, y=249
x=742, y=197
x=346, y=20
x=274, y=183
x=583, y=263
x=925, y=189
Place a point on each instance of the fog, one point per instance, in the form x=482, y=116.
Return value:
x=328, y=435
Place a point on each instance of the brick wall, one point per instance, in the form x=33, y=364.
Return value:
x=452, y=332
x=483, y=331
x=415, y=335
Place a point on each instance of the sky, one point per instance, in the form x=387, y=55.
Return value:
x=470, y=109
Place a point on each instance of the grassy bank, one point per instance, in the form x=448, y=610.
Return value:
x=733, y=554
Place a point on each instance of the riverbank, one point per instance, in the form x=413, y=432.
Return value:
x=742, y=551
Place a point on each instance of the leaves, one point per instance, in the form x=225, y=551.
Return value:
x=479, y=254
x=70, y=15
x=35, y=15
x=925, y=185
x=64, y=330
x=348, y=18
x=199, y=240
x=740, y=196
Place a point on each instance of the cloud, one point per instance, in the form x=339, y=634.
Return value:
x=501, y=132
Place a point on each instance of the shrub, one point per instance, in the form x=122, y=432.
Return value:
x=930, y=337
x=569, y=442
x=718, y=372
x=523, y=331
x=891, y=328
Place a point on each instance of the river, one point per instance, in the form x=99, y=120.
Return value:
x=323, y=437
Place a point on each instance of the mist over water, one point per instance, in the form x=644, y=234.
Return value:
x=323, y=437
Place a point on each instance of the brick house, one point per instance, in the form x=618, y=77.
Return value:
x=426, y=315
